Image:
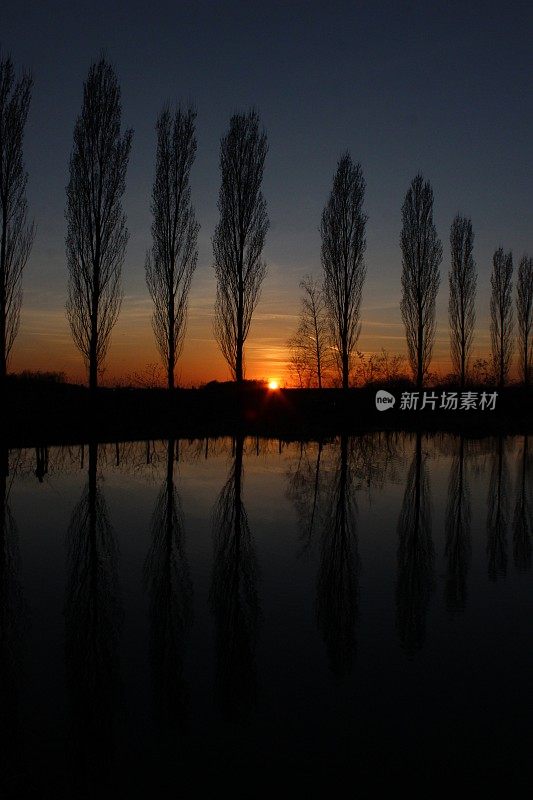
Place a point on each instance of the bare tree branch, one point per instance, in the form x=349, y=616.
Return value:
x=421, y=257
x=524, y=316
x=501, y=314
x=343, y=246
x=172, y=260
x=239, y=236
x=461, y=306
x=16, y=233
x=96, y=225
x=310, y=349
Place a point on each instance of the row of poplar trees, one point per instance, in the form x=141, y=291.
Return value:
x=330, y=319
x=97, y=236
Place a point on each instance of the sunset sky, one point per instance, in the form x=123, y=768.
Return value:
x=441, y=88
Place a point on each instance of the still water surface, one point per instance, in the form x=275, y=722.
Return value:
x=178, y=611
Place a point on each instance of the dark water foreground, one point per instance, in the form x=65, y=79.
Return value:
x=242, y=612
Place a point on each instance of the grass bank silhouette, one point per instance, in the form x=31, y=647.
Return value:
x=44, y=409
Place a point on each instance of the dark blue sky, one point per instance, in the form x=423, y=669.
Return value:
x=442, y=88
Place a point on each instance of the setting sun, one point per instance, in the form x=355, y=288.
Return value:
x=273, y=385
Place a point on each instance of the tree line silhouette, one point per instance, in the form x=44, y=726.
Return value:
x=325, y=342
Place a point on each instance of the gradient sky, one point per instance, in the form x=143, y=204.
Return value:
x=439, y=87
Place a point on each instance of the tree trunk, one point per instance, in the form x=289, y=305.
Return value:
x=239, y=373
x=345, y=370
x=419, y=355
x=3, y=338
x=463, y=359
x=93, y=356
x=3, y=359
x=501, y=381
x=345, y=363
x=93, y=369
x=171, y=345
x=317, y=341
x=238, y=363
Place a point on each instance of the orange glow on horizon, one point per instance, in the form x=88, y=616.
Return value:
x=45, y=344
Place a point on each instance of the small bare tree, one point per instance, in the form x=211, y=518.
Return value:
x=524, y=314
x=343, y=246
x=421, y=258
x=462, y=302
x=239, y=236
x=382, y=366
x=96, y=225
x=298, y=365
x=172, y=260
x=16, y=234
x=501, y=314
x=310, y=347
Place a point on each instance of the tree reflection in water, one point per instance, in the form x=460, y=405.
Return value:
x=498, y=513
x=233, y=597
x=523, y=511
x=458, y=548
x=415, y=581
x=13, y=622
x=169, y=584
x=337, y=584
x=306, y=490
x=93, y=617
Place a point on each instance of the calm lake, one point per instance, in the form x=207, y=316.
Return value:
x=173, y=612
